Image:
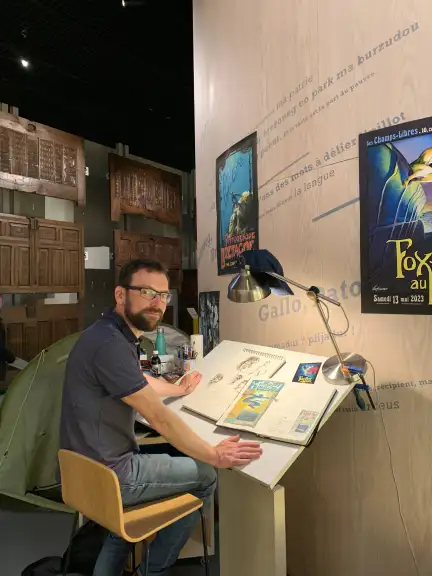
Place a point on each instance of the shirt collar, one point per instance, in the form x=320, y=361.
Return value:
x=111, y=316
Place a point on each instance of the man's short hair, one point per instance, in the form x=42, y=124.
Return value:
x=129, y=268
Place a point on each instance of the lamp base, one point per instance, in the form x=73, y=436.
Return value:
x=332, y=368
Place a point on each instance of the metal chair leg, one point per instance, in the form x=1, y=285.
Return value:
x=146, y=557
x=134, y=564
x=204, y=539
x=69, y=550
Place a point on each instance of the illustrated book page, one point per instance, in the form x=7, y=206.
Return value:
x=286, y=411
x=213, y=395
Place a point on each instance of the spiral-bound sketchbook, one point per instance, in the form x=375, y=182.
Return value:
x=218, y=391
x=286, y=411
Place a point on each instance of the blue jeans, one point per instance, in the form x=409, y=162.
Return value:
x=152, y=477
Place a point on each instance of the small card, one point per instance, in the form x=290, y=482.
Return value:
x=307, y=373
x=305, y=420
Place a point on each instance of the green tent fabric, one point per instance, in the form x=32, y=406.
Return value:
x=30, y=421
x=29, y=427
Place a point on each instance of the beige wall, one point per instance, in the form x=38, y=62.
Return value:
x=359, y=502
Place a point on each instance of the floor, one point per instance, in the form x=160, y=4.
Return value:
x=27, y=536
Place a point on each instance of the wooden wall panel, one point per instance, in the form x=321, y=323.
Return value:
x=137, y=188
x=60, y=256
x=38, y=159
x=30, y=329
x=130, y=245
x=38, y=255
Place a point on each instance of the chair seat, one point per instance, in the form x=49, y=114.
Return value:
x=144, y=520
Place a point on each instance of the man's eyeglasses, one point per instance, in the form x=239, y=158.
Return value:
x=150, y=294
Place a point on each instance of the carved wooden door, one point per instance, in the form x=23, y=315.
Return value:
x=38, y=255
x=59, y=252
x=16, y=266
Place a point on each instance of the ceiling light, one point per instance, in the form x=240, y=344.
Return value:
x=24, y=63
x=124, y=3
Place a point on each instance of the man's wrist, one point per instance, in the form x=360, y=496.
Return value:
x=213, y=458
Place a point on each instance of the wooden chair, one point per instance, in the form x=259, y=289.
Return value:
x=92, y=489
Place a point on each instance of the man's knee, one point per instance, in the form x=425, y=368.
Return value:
x=207, y=479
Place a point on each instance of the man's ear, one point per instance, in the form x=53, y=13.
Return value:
x=119, y=295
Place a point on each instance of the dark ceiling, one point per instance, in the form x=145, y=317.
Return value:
x=103, y=71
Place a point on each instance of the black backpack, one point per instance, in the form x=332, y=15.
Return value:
x=86, y=546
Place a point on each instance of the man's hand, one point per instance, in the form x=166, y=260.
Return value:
x=231, y=452
x=189, y=382
x=226, y=454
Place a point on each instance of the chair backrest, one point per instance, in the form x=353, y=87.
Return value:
x=92, y=489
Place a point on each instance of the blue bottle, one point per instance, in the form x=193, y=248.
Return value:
x=160, y=343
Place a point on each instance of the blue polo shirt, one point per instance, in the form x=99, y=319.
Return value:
x=103, y=367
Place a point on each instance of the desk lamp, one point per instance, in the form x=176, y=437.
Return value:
x=260, y=275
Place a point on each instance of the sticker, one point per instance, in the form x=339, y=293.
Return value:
x=307, y=372
x=305, y=420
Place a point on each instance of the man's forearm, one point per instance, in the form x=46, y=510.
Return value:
x=164, y=388
x=172, y=427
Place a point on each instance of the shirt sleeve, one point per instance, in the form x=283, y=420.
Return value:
x=117, y=368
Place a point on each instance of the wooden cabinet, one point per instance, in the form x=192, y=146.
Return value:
x=130, y=245
x=30, y=329
x=138, y=188
x=38, y=255
x=41, y=160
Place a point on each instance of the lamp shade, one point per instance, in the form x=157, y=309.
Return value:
x=262, y=263
x=243, y=288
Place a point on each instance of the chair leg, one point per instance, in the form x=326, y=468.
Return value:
x=134, y=564
x=204, y=539
x=146, y=557
x=69, y=550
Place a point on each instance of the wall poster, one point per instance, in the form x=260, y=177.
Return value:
x=236, y=203
x=396, y=219
x=209, y=319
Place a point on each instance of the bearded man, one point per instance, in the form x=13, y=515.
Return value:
x=104, y=388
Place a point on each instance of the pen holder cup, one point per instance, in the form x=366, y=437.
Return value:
x=188, y=365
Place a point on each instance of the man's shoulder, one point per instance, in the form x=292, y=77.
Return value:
x=100, y=334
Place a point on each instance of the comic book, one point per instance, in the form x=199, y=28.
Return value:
x=253, y=402
x=285, y=411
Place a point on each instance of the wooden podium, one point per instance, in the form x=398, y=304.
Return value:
x=251, y=503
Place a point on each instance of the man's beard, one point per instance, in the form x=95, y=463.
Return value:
x=139, y=321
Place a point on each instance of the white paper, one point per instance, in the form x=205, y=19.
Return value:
x=19, y=363
x=215, y=394
x=293, y=416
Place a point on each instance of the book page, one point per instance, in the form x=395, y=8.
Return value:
x=295, y=412
x=213, y=395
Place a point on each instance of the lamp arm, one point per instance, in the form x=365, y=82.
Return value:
x=316, y=293
x=329, y=331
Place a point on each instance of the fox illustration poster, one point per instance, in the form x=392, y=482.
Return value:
x=236, y=203
x=396, y=219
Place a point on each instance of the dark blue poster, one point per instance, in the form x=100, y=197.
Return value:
x=236, y=203
x=396, y=219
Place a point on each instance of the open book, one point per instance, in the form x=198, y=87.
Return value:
x=214, y=394
x=286, y=411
